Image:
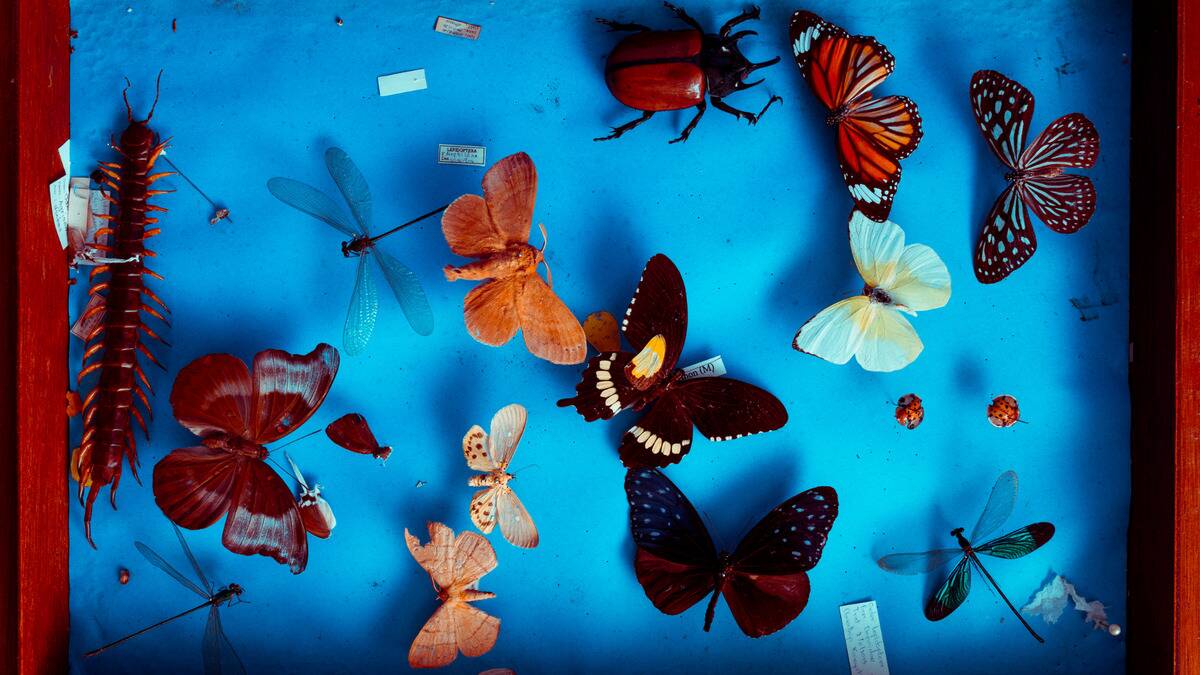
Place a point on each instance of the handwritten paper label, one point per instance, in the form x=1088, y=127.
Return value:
x=864, y=639
x=713, y=367
x=83, y=329
x=60, y=189
x=402, y=83
x=457, y=28
x=79, y=216
x=465, y=155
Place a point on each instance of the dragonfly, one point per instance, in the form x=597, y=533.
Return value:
x=364, y=301
x=219, y=655
x=1016, y=544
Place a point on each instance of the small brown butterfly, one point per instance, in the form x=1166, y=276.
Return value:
x=455, y=566
x=495, y=229
x=497, y=502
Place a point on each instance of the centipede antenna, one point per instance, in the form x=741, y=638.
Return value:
x=195, y=187
x=157, y=89
x=125, y=95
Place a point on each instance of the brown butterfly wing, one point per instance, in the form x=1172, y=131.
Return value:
x=476, y=227
x=194, y=486
x=551, y=331
x=352, y=432
x=264, y=519
x=490, y=310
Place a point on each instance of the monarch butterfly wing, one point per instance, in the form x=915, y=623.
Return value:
x=870, y=170
x=661, y=437
x=893, y=123
x=1064, y=203
x=408, y=292
x=658, y=307
x=213, y=394
x=1018, y=543
x=723, y=408
x=264, y=519
x=1007, y=240
x=836, y=332
x=764, y=604
x=352, y=184
x=676, y=561
x=604, y=391
x=363, y=310
x=551, y=331
x=490, y=311
x=917, y=563
x=839, y=67
x=952, y=593
x=288, y=389
x=1001, y=501
x=1003, y=109
x=1069, y=141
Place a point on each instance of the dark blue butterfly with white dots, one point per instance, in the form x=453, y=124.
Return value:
x=764, y=580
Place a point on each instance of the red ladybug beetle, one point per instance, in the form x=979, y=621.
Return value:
x=909, y=411
x=656, y=70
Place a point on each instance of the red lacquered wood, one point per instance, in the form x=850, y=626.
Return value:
x=657, y=71
x=34, y=116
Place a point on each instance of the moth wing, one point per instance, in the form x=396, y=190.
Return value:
x=473, y=558
x=475, y=631
x=490, y=310
x=510, y=190
x=436, y=557
x=435, y=646
x=508, y=425
x=483, y=508
x=551, y=331
x=475, y=450
x=515, y=522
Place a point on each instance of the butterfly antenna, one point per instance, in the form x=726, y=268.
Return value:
x=527, y=466
x=315, y=431
x=542, y=251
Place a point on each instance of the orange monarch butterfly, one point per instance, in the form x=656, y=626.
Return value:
x=873, y=134
x=1064, y=202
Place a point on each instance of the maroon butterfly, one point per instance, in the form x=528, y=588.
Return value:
x=236, y=412
x=352, y=432
x=764, y=580
x=1064, y=202
x=873, y=134
x=721, y=408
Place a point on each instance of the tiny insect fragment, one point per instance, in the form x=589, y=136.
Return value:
x=218, y=216
x=123, y=576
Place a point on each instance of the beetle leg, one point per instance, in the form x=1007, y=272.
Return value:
x=700, y=108
x=742, y=114
x=683, y=16
x=751, y=13
x=617, y=132
x=618, y=26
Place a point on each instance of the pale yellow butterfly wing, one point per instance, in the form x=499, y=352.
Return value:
x=483, y=509
x=889, y=342
x=515, y=522
x=877, y=248
x=922, y=280
x=837, y=331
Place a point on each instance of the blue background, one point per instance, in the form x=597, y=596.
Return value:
x=756, y=220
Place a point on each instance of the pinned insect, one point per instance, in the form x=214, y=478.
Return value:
x=1003, y=411
x=658, y=70
x=364, y=301
x=111, y=347
x=315, y=512
x=491, y=453
x=909, y=411
x=352, y=432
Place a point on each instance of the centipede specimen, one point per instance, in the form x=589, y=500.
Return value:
x=111, y=347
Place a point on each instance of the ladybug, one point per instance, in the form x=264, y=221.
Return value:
x=909, y=411
x=1003, y=411
x=659, y=70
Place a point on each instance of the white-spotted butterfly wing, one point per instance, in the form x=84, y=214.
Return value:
x=656, y=324
x=876, y=333
x=455, y=566
x=1064, y=202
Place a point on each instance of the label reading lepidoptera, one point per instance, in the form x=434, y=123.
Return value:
x=457, y=28
x=713, y=367
x=864, y=639
x=462, y=155
x=402, y=83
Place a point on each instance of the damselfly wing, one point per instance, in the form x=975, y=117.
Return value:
x=219, y=655
x=364, y=301
x=1015, y=544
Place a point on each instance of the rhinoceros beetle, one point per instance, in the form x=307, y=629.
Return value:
x=655, y=70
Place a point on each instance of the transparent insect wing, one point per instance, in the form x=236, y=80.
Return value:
x=312, y=201
x=352, y=184
x=408, y=291
x=219, y=655
x=999, y=506
x=157, y=560
x=364, y=309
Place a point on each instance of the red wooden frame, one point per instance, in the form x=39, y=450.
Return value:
x=1163, y=621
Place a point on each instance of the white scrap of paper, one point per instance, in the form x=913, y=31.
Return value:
x=864, y=639
x=713, y=367
x=402, y=83
x=1051, y=600
x=60, y=190
x=64, y=156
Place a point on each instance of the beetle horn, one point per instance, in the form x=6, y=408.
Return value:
x=764, y=64
x=747, y=85
x=739, y=35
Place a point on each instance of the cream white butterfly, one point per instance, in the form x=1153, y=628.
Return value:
x=871, y=327
x=496, y=501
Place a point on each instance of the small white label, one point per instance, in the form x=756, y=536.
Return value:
x=60, y=189
x=81, y=329
x=79, y=220
x=402, y=83
x=464, y=155
x=713, y=367
x=864, y=639
x=457, y=28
